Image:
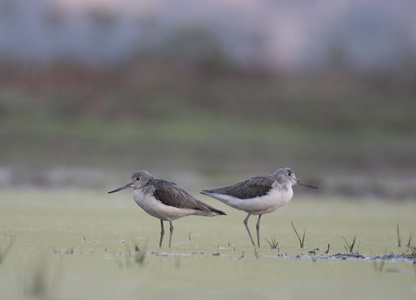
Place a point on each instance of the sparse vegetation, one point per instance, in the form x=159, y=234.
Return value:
x=301, y=240
x=131, y=257
x=411, y=252
x=139, y=256
x=399, y=240
x=378, y=266
x=349, y=247
x=256, y=252
x=3, y=253
x=409, y=242
x=37, y=285
x=41, y=281
x=273, y=243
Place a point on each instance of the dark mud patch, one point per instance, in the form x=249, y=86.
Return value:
x=313, y=256
x=357, y=256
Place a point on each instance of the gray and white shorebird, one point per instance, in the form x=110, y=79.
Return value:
x=165, y=200
x=258, y=195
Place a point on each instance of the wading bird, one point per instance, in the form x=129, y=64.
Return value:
x=165, y=200
x=258, y=195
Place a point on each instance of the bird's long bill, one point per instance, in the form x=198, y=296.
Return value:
x=307, y=185
x=120, y=188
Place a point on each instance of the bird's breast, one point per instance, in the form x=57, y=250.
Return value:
x=280, y=197
x=259, y=205
x=270, y=202
x=145, y=200
x=157, y=209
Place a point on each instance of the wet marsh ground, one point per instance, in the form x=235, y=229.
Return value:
x=85, y=244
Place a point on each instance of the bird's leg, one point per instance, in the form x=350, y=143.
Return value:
x=171, y=232
x=258, y=230
x=248, y=230
x=162, y=232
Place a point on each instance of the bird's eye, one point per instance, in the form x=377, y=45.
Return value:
x=138, y=178
x=289, y=174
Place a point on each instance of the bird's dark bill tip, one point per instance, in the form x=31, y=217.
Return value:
x=307, y=185
x=119, y=189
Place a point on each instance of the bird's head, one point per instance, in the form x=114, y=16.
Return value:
x=286, y=174
x=137, y=180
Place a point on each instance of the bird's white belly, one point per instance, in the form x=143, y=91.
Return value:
x=259, y=205
x=157, y=209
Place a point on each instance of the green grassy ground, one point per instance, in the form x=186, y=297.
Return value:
x=80, y=244
x=349, y=137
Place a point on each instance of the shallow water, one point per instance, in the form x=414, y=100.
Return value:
x=82, y=245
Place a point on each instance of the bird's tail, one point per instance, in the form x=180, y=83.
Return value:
x=208, y=210
x=218, y=212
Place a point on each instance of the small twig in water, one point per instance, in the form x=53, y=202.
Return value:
x=242, y=256
x=327, y=250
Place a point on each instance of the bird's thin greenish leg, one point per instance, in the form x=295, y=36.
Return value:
x=171, y=233
x=248, y=230
x=162, y=232
x=258, y=230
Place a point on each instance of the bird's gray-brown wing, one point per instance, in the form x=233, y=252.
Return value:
x=247, y=189
x=171, y=194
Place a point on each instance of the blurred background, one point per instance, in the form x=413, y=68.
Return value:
x=208, y=93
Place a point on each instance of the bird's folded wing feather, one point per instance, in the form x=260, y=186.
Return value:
x=171, y=194
x=247, y=189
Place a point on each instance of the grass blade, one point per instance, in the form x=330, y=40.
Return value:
x=3, y=253
x=301, y=240
x=399, y=241
x=409, y=242
x=273, y=243
x=350, y=247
